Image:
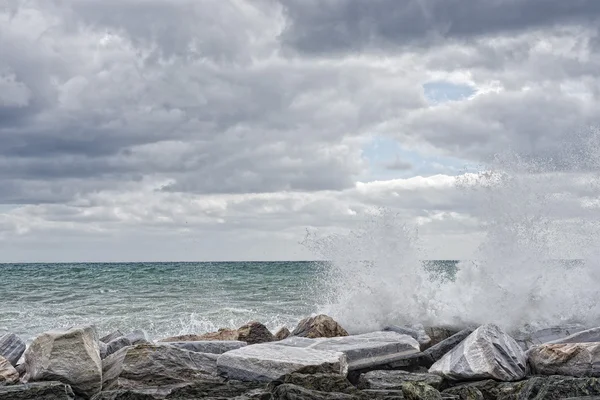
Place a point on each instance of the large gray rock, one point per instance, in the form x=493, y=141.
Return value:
x=37, y=391
x=267, y=362
x=486, y=353
x=115, y=345
x=393, y=380
x=111, y=336
x=156, y=367
x=8, y=373
x=548, y=335
x=12, y=347
x=586, y=336
x=213, y=347
x=572, y=359
x=438, y=350
x=320, y=326
x=418, y=333
x=362, y=351
x=71, y=357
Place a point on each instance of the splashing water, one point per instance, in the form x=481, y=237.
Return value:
x=538, y=264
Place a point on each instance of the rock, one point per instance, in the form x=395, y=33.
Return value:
x=419, y=391
x=37, y=391
x=212, y=347
x=363, y=351
x=116, y=344
x=486, y=353
x=375, y=394
x=148, y=366
x=220, y=390
x=538, y=387
x=102, y=349
x=439, y=333
x=438, y=350
x=418, y=334
x=572, y=359
x=412, y=362
x=138, y=337
x=293, y=392
x=125, y=395
x=393, y=380
x=586, y=336
x=254, y=333
x=12, y=348
x=71, y=357
x=320, y=326
x=111, y=336
x=8, y=373
x=321, y=382
x=267, y=362
x=549, y=335
x=283, y=333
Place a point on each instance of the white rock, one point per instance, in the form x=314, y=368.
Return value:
x=363, y=351
x=210, y=346
x=573, y=359
x=554, y=334
x=269, y=361
x=71, y=357
x=487, y=353
x=586, y=336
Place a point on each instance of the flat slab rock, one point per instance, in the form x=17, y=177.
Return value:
x=362, y=351
x=212, y=347
x=556, y=334
x=572, y=359
x=393, y=380
x=12, y=348
x=487, y=353
x=267, y=362
x=37, y=391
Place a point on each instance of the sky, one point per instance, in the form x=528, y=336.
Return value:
x=173, y=130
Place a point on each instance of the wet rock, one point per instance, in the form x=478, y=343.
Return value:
x=8, y=373
x=420, y=391
x=412, y=362
x=267, y=362
x=486, y=353
x=254, y=333
x=212, y=347
x=111, y=336
x=363, y=351
x=72, y=357
x=138, y=337
x=12, y=348
x=283, y=333
x=213, y=389
x=438, y=350
x=320, y=326
x=548, y=335
x=115, y=345
x=585, y=336
x=160, y=367
x=393, y=380
x=440, y=333
x=572, y=359
x=125, y=395
x=418, y=334
x=382, y=394
x=37, y=391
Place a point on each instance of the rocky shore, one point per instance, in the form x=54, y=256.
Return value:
x=317, y=360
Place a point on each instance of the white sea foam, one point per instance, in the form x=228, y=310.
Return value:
x=532, y=211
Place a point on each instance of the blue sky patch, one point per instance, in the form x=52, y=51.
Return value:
x=442, y=91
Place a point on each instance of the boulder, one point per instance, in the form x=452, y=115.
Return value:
x=288, y=391
x=115, y=345
x=283, y=333
x=254, y=333
x=383, y=394
x=218, y=390
x=71, y=357
x=538, y=387
x=362, y=351
x=487, y=353
x=267, y=362
x=8, y=373
x=320, y=326
x=548, y=335
x=111, y=336
x=212, y=347
x=438, y=350
x=419, y=391
x=572, y=359
x=138, y=337
x=251, y=333
x=329, y=383
x=393, y=380
x=586, y=336
x=418, y=334
x=12, y=348
x=37, y=391
x=125, y=395
x=158, y=368
x=439, y=333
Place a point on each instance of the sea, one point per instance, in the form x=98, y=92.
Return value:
x=162, y=299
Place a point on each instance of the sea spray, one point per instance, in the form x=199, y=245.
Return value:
x=537, y=264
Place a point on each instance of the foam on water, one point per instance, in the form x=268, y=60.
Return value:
x=534, y=213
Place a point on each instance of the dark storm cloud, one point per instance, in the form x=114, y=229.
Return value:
x=321, y=26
